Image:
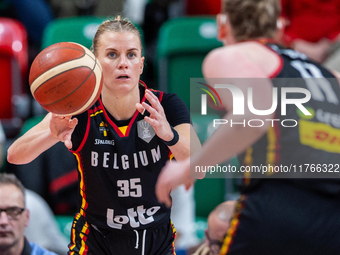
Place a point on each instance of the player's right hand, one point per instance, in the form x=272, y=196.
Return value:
x=173, y=174
x=62, y=128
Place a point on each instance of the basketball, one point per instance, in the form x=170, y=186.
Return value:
x=66, y=78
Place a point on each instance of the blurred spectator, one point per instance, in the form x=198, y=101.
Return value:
x=14, y=217
x=156, y=13
x=218, y=223
x=313, y=28
x=134, y=10
x=203, y=7
x=66, y=8
x=43, y=228
x=34, y=14
x=55, y=179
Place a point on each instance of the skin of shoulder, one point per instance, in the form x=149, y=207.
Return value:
x=242, y=60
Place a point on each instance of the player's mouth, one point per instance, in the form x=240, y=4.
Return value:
x=123, y=77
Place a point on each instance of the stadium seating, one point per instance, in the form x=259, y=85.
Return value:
x=13, y=75
x=183, y=43
x=80, y=29
x=71, y=29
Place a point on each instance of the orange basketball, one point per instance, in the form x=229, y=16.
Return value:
x=66, y=78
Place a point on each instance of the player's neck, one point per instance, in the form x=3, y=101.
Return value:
x=121, y=107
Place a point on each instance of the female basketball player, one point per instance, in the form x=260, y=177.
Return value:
x=121, y=143
x=273, y=216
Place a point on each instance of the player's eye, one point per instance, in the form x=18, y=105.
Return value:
x=111, y=54
x=131, y=55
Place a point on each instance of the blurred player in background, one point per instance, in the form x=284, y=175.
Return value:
x=121, y=144
x=273, y=216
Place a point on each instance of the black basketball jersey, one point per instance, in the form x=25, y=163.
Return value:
x=302, y=143
x=118, y=169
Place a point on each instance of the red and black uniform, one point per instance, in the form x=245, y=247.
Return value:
x=293, y=213
x=119, y=163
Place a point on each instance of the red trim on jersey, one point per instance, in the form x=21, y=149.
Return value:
x=161, y=93
x=94, y=110
x=234, y=223
x=64, y=181
x=263, y=41
x=120, y=133
x=84, y=203
x=86, y=132
x=279, y=68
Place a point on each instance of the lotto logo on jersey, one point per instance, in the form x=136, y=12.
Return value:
x=134, y=217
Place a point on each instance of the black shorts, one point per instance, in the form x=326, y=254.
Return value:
x=89, y=240
x=282, y=218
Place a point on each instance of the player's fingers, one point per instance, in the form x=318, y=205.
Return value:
x=163, y=195
x=73, y=122
x=140, y=108
x=153, y=101
x=154, y=123
x=68, y=144
x=153, y=112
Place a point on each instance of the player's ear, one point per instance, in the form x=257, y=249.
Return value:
x=206, y=237
x=221, y=26
x=142, y=65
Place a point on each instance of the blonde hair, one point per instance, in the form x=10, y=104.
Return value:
x=114, y=25
x=252, y=19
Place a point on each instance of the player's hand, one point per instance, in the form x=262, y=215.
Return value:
x=62, y=128
x=157, y=117
x=173, y=174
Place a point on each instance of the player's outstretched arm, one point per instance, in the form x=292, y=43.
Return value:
x=41, y=137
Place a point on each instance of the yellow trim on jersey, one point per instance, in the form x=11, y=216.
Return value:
x=319, y=136
x=81, y=235
x=73, y=235
x=271, y=148
x=96, y=113
x=174, y=235
x=83, y=203
x=248, y=161
x=171, y=157
x=123, y=129
x=233, y=226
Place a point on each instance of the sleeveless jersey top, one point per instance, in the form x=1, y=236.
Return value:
x=118, y=169
x=306, y=146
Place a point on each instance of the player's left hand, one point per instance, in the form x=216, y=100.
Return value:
x=157, y=118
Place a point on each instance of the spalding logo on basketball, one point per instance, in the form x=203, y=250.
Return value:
x=66, y=78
